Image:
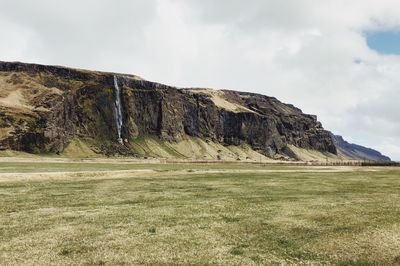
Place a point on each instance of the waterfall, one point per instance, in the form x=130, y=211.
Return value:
x=117, y=107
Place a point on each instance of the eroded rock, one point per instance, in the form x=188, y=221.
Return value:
x=84, y=107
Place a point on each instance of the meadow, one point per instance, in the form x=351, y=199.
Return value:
x=112, y=213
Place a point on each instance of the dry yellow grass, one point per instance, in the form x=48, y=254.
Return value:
x=78, y=149
x=313, y=155
x=196, y=149
x=18, y=91
x=113, y=213
x=16, y=100
x=5, y=132
x=217, y=97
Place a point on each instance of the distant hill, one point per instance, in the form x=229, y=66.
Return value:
x=357, y=152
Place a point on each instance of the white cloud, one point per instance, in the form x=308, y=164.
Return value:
x=309, y=53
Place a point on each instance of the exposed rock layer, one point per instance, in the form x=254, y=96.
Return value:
x=57, y=104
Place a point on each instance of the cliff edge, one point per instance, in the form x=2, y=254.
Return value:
x=43, y=109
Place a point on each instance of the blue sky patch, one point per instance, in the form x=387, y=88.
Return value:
x=384, y=42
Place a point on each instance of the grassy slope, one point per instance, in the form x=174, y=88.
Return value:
x=188, y=217
x=194, y=148
x=75, y=149
x=78, y=149
x=314, y=155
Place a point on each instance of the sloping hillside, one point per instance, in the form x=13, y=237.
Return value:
x=45, y=109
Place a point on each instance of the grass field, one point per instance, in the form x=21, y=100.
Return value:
x=71, y=213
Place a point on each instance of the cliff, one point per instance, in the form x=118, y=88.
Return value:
x=44, y=108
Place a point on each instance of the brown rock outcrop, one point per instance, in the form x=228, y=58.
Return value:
x=62, y=103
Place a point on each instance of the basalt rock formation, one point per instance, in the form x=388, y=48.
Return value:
x=43, y=108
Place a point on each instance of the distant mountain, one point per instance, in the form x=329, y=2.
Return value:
x=357, y=152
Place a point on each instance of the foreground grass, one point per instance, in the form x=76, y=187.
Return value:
x=71, y=166
x=194, y=217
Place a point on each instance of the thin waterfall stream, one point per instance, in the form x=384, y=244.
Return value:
x=118, y=109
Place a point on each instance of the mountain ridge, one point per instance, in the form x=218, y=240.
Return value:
x=356, y=151
x=44, y=108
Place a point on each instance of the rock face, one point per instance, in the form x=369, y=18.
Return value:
x=42, y=108
x=357, y=152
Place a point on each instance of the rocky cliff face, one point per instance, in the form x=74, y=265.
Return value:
x=42, y=108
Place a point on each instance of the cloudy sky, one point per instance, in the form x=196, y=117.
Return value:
x=337, y=59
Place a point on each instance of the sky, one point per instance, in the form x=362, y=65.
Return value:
x=385, y=42
x=337, y=59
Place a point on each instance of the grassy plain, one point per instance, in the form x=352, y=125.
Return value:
x=112, y=213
